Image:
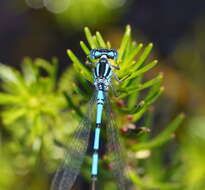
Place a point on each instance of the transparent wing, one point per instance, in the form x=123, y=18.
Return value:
x=115, y=149
x=67, y=173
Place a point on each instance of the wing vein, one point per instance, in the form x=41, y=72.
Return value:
x=75, y=152
x=115, y=149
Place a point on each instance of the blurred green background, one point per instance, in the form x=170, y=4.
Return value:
x=46, y=29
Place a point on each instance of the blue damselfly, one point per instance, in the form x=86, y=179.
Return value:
x=67, y=173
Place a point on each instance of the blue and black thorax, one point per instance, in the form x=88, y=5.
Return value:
x=102, y=74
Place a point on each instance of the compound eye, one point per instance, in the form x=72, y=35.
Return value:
x=115, y=54
x=92, y=54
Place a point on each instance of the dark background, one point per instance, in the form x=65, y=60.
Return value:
x=31, y=32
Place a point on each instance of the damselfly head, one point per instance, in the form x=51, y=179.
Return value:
x=98, y=53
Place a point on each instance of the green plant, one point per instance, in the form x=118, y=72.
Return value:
x=40, y=111
x=77, y=16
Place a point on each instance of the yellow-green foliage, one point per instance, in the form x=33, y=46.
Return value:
x=40, y=111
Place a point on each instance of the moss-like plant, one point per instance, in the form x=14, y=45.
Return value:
x=40, y=111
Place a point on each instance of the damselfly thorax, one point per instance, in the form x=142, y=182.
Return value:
x=102, y=74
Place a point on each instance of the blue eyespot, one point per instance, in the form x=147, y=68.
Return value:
x=111, y=54
x=97, y=54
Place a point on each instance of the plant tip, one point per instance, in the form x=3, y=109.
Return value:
x=128, y=29
x=182, y=115
x=151, y=44
x=142, y=103
x=128, y=26
x=162, y=88
x=161, y=75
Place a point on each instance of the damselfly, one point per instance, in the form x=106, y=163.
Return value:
x=67, y=173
